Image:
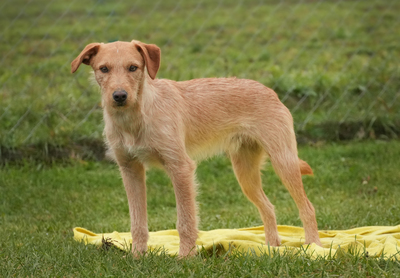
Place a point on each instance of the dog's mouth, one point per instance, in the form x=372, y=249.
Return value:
x=120, y=104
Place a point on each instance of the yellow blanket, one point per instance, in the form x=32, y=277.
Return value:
x=377, y=241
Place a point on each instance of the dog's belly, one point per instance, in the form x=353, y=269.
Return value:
x=148, y=156
x=209, y=147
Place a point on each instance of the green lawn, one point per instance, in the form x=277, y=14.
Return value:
x=355, y=184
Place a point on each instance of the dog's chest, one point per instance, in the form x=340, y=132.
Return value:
x=146, y=155
x=136, y=147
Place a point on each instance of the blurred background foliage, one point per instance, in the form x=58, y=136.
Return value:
x=333, y=63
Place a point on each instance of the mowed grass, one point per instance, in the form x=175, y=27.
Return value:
x=329, y=61
x=354, y=185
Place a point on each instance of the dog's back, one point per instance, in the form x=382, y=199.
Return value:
x=219, y=114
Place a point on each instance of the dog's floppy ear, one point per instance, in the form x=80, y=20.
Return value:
x=152, y=56
x=85, y=56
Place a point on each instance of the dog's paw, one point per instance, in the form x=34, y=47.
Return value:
x=317, y=241
x=187, y=252
x=273, y=241
x=139, y=250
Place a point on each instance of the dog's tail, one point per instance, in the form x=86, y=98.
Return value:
x=305, y=169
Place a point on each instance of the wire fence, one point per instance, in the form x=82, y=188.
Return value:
x=335, y=64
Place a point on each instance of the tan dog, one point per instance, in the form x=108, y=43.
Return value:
x=151, y=121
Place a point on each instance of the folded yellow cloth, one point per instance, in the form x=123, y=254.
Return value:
x=376, y=240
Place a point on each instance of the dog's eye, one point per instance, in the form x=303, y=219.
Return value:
x=104, y=69
x=132, y=68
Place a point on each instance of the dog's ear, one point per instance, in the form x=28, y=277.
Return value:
x=152, y=57
x=85, y=56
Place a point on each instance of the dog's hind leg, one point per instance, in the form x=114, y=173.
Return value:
x=282, y=150
x=246, y=162
x=286, y=165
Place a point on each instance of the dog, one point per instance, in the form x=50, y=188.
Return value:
x=170, y=124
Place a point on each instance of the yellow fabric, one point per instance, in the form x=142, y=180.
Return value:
x=376, y=240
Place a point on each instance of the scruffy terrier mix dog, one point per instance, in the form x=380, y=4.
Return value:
x=161, y=122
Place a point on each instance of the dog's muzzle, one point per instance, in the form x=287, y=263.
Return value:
x=120, y=97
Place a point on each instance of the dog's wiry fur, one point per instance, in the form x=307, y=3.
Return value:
x=170, y=124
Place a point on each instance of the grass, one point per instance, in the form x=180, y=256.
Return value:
x=354, y=185
x=331, y=62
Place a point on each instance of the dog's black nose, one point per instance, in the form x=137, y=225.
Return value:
x=120, y=96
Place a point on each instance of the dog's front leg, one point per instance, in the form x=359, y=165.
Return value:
x=134, y=178
x=182, y=174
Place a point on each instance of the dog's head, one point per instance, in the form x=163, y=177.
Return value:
x=120, y=68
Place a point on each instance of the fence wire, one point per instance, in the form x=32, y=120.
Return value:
x=333, y=63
